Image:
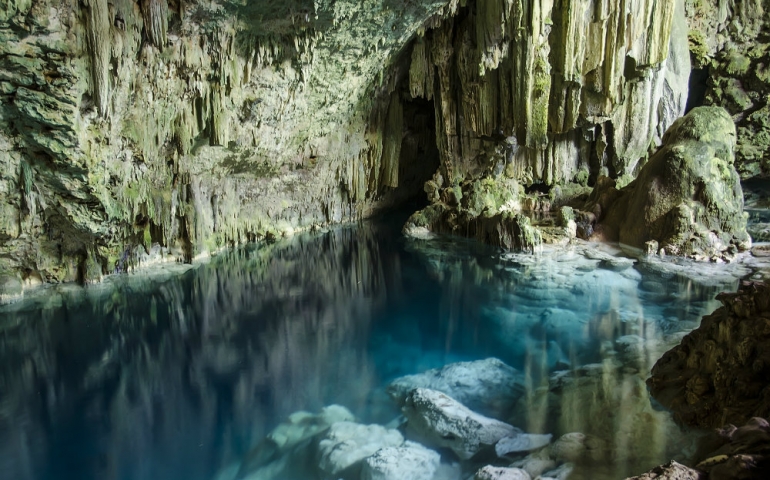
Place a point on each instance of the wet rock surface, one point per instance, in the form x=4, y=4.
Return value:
x=718, y=373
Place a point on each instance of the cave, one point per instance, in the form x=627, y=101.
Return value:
x=391, y=239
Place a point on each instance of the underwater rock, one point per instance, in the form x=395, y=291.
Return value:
x=501, y=473
x=671, y=471
x=411, y=461
x=347, y=443
x=577, y=447
x=736, y=453
x=444, y=422
x=535, y=464
x=718, y=373
x=488, y=386
x=288, y=440
x=687, y=197
x=522, y=442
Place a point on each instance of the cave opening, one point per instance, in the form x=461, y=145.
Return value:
x=419, y=155
x=697, y=88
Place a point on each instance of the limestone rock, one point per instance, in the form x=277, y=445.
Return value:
x=688, y=196
x=671, y=471
x=501, y=473
x=718, y=373
x=346, y=444
x=444, y=422
x=488, y=386
x=411, y=461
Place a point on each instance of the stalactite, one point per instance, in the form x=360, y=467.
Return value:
x=421, y=72
x=391, y=149
x=155, y=14
x=98, y=28
x=219, y=117
x=445, y=103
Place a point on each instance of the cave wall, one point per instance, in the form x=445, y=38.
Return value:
x=729, y=41
x=129, y=127
x=192, y=125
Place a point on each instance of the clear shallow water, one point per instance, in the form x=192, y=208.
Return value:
x=169, y=375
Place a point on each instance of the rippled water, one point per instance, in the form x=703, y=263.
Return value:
x=169, y=375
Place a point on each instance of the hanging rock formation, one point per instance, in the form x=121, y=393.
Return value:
x=189, y=126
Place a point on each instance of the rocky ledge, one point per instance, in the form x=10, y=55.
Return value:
x=718, y=374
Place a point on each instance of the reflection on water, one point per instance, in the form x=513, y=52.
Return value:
x=175, y=376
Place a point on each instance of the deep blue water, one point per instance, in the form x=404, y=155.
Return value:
x=168, y=375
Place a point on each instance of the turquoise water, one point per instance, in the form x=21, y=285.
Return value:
x=177, y=372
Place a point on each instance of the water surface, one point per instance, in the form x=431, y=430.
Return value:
x=168, y=375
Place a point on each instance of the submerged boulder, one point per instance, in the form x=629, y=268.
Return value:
x=522, y=442
x=346, y=444
x=411, y=461
x=688, y=196
x=290, y=442
x=488, y=386
x=737, y=453
x=501, y=473
x=671, y=471
x=444, y=422
x=718, y=373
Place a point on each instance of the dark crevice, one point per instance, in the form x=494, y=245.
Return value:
x=697, y=88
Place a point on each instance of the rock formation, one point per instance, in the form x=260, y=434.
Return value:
x=687, y=199
x=194, y=125
x=718, y=373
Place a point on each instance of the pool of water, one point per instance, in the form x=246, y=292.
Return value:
x=177, y=372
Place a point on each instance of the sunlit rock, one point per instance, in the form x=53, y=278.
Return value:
x=411, y=461
x=488, y=386
x=444, y=422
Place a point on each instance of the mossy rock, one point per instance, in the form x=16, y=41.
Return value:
x=688, y=197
